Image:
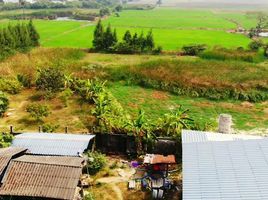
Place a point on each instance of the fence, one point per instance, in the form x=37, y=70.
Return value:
x=125, y=144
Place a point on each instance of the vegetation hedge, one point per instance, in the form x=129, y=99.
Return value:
x=229, y=54
x=191, y=78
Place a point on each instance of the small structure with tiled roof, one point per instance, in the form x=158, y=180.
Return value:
x=6, y=154
x=42, y=177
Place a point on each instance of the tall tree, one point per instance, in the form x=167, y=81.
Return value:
x=108, y=38
x=150, y=40
x=141, y=42
x=115, y=36
x=127, y=37
x=33, y=34
x=98, y=37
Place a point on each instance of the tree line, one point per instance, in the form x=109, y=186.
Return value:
x=106, y=40
x=19, y=37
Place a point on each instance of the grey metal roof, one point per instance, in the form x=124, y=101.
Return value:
x=224, y=169
x=52, y=143
x=189, y=136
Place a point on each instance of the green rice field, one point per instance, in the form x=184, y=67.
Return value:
x=172, y=28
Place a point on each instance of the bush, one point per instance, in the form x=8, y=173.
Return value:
x=4, y=102
x=157, y=50
x=49, y=128
x=65, y=95
x=88, y=196
x=230, y=54
x=11, y=86
x=5, y=140
x=38, y=111
x=24, y=80
x=193, y=50
x=255, y=45
x=266, y=50
x=51, y=79
x=96, y=162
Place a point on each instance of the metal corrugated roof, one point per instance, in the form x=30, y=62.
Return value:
x=189, y=136
x=6, y=154
x=41, y=179
x=52, y=143
x=225, y=169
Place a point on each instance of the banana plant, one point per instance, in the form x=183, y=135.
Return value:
x=172, y=123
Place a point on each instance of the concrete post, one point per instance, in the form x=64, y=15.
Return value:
x=225, y=123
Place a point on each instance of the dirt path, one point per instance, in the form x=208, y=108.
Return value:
x=117, y=191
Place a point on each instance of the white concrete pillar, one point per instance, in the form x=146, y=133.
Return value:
x=225, y=123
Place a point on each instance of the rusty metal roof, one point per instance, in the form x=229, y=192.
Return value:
x=42, y=176
x=159, y=159
x=6, y=154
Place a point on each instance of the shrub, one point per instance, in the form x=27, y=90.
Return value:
x=96, y=162
x=4, y=102
x=24, y=80
x=255, y=45
x=193, y=50
x=38, y=111
x=230, y=54
x=49, y=128
x=65, y=95
x=266, y=50
x=51, y=79
x=89, y=196
x=5, y=140
x=157, y=50
x=11, y=86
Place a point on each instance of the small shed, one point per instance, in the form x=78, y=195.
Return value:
x=54, y=143
x=42, y=177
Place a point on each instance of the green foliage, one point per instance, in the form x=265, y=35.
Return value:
x=5, y=140
x=38, y=111
x=229, y=54
x=104, y=12
x=65, y=96
x=265, y=50
x=172, y=123
x=118, y=8
x=96, y=162
x=193, y=50
x=33, y=34
x=49, y=128
x=98, y=36
x=88, y=196
x=11, y=86
x=170, y=76
x=4, y=102
x=255, y=45
x=25, y=80
x=107, y=41
x=50, y=79
x=20, y=37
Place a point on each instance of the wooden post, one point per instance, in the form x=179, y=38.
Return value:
x=11, y=130
x=40, y=129
x=66, y=129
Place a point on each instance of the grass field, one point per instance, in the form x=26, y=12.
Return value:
x=246, y=115
x=156, y=103
x=172, y=28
